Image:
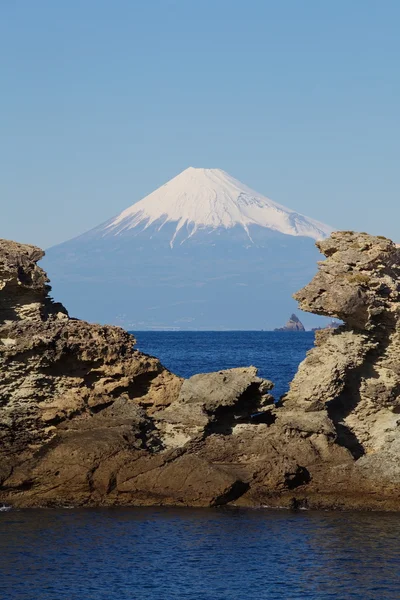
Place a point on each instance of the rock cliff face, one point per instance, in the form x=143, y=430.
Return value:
x=85, y=419
x=353, y=375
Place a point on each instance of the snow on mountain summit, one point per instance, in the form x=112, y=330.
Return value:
x=211, y=198
x=235, y=260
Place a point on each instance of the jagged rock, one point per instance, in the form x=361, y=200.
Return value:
x=23, y=285
x=83, y=415
x=353, y=375
x=64, y=382
x=214, y=403
x=294, y=324
x=85, y=419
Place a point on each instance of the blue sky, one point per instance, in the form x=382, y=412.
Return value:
x=103, y=101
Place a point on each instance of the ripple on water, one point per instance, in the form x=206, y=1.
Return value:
x=195, y=554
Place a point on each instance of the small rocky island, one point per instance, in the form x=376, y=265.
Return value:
x=87, y=420
x=294, y=324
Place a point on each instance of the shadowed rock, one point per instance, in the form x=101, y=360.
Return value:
x=214, y=403
x=83, y=414
x=353, y=374
x=85, y=419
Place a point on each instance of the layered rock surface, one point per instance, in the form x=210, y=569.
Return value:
x=85, y=419
x=353, y=374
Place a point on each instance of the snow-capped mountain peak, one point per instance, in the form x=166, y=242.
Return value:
x=211, y=198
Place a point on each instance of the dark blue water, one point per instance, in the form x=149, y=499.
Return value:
x=276, y=354
x=209, y=554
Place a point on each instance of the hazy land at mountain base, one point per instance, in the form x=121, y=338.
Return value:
x=215, y=280
x=203, y=251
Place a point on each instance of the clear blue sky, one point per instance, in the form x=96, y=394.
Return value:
x=102, y=101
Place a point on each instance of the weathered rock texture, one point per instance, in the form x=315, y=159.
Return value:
x=294, y=324
x=85, y=419
x=353, y=375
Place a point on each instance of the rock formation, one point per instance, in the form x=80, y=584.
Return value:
x=353, y=374
x=294, y=324
x=85, y=419
x=331, y=325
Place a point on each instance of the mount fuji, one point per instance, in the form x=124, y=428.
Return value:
x=203, y=251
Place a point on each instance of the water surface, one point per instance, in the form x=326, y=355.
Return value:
x=276, y=354
x=202, y=554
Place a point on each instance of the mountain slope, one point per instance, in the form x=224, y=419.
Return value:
x=202, y=251
x=211, y=198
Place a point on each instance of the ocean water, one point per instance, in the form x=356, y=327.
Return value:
x=276, y=354
x=208, y=554
x=203, y=554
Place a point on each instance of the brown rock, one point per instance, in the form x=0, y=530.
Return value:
x=67, y=388
x=353, y=375
x=85, y=419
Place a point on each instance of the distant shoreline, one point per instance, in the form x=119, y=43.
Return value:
x=216, y=331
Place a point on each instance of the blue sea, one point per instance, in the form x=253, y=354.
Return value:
x=203, y=554
x=276, y=354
